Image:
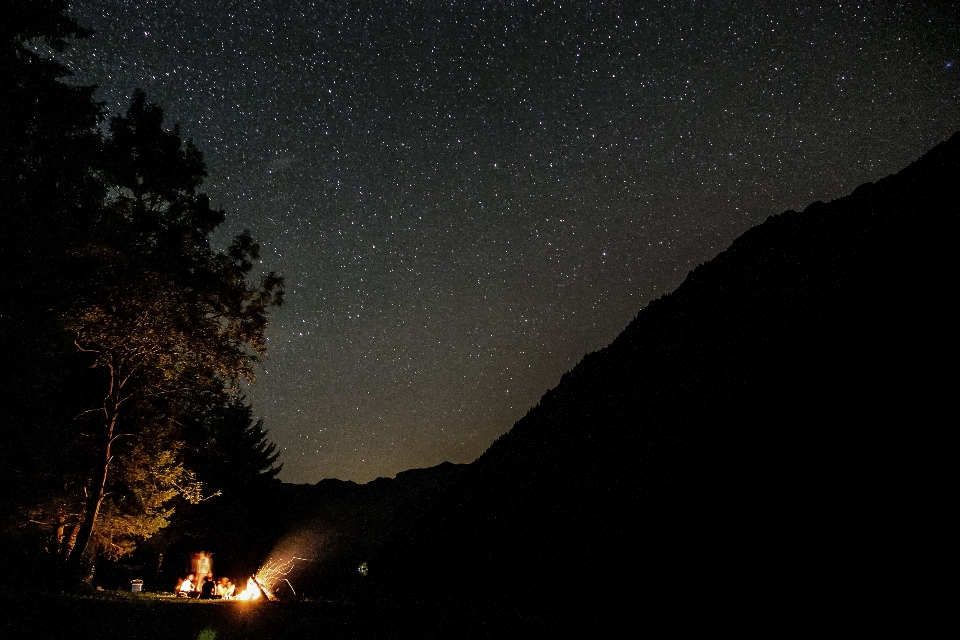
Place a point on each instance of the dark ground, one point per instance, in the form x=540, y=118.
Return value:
x=145, y=616
x=112, y=614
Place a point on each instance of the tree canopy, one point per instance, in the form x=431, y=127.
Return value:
x=125, y=324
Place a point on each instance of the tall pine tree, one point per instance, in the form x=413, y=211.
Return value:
x=228, y=449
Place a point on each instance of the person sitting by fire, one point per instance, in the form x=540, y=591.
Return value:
x=208, y=589
x=222, y=590
x=187, y=589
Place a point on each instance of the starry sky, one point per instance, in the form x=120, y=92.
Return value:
x=465, y=197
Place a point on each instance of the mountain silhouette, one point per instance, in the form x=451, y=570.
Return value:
x=767, y=444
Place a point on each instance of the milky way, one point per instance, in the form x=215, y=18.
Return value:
x=467, y=197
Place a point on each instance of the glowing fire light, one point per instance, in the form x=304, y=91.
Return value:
x=267, y=578
x=251, y=592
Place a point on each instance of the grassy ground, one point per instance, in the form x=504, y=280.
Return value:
x=143, y=616
x=110, y=614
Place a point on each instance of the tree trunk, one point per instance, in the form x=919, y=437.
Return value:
x=95, y=494
x=66, y=538
x=86, y=527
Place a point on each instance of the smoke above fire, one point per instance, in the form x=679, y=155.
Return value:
x=291, y=557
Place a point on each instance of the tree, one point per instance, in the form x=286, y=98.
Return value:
x=165, y=315
x=229, y=449
x=117, y=315
x=146, y=476
x=48, y=137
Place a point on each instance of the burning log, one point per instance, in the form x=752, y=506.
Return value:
x=267, y=593
x=267, y=578
x=255, y=590
x=251, y=591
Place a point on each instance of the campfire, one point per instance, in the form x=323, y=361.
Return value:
x=253, y=591
x=261, y=585
x=271, y=574
x=199, y=583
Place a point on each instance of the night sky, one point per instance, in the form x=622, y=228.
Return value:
x=467, y=197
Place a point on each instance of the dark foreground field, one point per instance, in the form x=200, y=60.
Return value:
x=146, y=616
x=109, y=614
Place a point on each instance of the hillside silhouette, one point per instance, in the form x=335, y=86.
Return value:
x=768, y=442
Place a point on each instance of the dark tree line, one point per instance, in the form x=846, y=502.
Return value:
x=125, y=335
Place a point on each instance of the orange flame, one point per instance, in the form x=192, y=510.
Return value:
x=252, y=592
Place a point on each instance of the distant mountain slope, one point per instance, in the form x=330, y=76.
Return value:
x=771, y=439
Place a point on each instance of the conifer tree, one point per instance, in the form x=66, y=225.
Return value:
x=230, y=450
x=48, y=137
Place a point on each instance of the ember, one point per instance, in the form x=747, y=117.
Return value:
x=260, y=585
x=251, y=592
x=200, y=583
x=273, y=572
